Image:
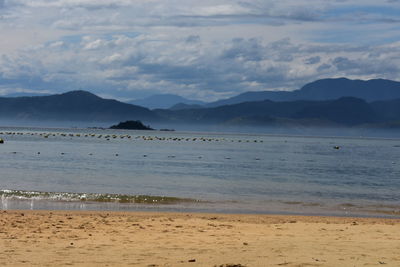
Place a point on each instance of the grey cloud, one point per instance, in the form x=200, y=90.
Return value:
x=193, y=39
x=303, y=14
x=313, y=60
x=323, y=67
x=364, y=17
x=95, y=15
x=200, y=13
x=282, y=50
x=87, y=4
x=206, y=21
x=285, y=12
x=249, y=49
x=283, y=57
x=384, y=67
x=144, y=14
x=343, y=63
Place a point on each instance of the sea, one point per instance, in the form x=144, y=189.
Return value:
x=120, y=170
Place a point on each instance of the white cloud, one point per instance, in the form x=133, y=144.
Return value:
x=219, y=10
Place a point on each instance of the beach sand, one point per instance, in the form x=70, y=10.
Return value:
x=74, y=238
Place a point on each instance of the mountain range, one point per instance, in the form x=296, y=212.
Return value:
x=325, y=89
x=347, y=111
x=164, y=101
x=319, y=104
x=70, y=106
x=20, y=94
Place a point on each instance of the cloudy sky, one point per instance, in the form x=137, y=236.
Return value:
x=204, y=50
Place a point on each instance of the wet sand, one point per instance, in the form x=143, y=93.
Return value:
x=74, y=238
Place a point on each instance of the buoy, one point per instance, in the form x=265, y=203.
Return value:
x=336, y=147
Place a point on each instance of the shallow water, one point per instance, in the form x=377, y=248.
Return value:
x=226, y=172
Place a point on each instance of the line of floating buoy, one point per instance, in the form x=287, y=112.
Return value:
x=126, y=136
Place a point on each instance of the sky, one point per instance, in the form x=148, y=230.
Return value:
x=204, y=50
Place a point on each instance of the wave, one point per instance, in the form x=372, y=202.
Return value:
x=92, y=197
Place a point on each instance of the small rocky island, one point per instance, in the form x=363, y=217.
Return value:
x=131, y=125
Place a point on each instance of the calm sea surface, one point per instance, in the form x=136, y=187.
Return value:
x=226, y=172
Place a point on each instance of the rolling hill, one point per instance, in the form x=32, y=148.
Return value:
x=71, y=106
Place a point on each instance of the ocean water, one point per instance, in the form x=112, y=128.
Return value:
x=236, y=173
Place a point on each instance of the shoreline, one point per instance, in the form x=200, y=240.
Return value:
x=147, y=203
x=113, y=238
x=193, y=208
x=41, y=200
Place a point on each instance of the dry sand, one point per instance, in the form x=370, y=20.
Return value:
x=54, y=238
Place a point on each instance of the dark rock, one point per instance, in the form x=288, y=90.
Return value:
x=131, y=125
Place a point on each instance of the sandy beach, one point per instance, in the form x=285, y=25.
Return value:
x=73, y=238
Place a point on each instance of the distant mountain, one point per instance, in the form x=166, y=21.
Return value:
x=346, y=111
x=389, y=110
x=326, y=89
x=253, y=96
x=24, y=94
x=371, y=90
x=180, y=106
x=164, y=101
x=82, y=106
x=71, y=106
